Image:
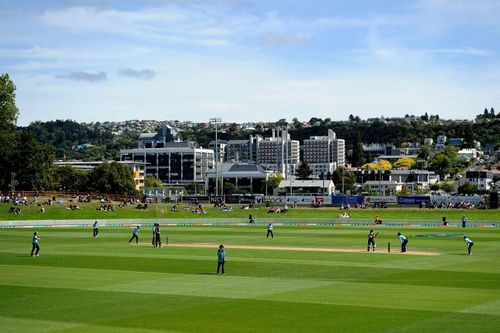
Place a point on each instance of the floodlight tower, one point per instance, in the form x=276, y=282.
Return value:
x=216, y=121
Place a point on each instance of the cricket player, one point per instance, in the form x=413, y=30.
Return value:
x=221, y=259
x=153, y=242
x=157, y=236
x=135, y=235
x=270, y=230
x=34, y=242
x=404, y=241
x=371, y=240
x=95, y=229
x=469, y=243
x=464, y=221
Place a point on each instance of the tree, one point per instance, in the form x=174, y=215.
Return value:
x=70, y=179
x=112, y=178
x=370, y=166
x=448, y=187
x=273, y=182
x=304, y=171
x=343, y=179
x=384, y=165
x=434, y=187
x=150, y=181
x=467, y=188
x=424, y=152
x=8, y=119
x=405, y=163
x=469, y=136
x=357, y=150
x=296, y=123
x=34, y=163
x=442, y=165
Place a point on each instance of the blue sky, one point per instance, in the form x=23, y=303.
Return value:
x=249, y=60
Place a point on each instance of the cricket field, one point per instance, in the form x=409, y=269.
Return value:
x=306, y=279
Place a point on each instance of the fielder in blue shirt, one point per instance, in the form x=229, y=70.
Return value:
x=404, y=241
x=270, y=230
x=95, y=228
x=34, y=242
x=135, y=235
x=221, y=259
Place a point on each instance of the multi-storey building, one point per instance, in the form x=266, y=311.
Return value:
x=175, y=162
x=220, y=148
x=157, y=140
x=279, y=153
x=324, y=153
x=239, y=151
x=243, y=151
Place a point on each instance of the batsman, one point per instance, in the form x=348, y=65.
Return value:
x=371, y=240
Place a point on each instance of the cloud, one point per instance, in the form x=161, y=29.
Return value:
x=84, y=76
x=199, y=24
x=145, y=74
x=284, y=40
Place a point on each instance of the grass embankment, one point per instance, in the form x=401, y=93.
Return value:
x=80, y=284
x=89, y=211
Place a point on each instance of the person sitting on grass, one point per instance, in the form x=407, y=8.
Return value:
x=15, y=210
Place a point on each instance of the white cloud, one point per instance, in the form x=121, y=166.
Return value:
x=285, y=40
x=144, y=74
x=84, y=76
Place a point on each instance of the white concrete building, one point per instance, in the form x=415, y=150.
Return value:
x=324, y=153
x=482, y=179
x=467, y=154
x=176, y=163
x=279, y=153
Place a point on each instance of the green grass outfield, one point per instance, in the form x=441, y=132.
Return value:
x=88, y=211
x=80, y=284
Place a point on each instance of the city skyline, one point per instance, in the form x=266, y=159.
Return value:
x=250, y=60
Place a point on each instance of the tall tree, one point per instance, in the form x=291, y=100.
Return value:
x=112, y=178
x=343, y=179
x=8, y=119
x=469, y=136
x=34, y=163
x=357, y=150
x=70, y=179
x=304, y=171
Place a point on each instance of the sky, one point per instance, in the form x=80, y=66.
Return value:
x=250, y=60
